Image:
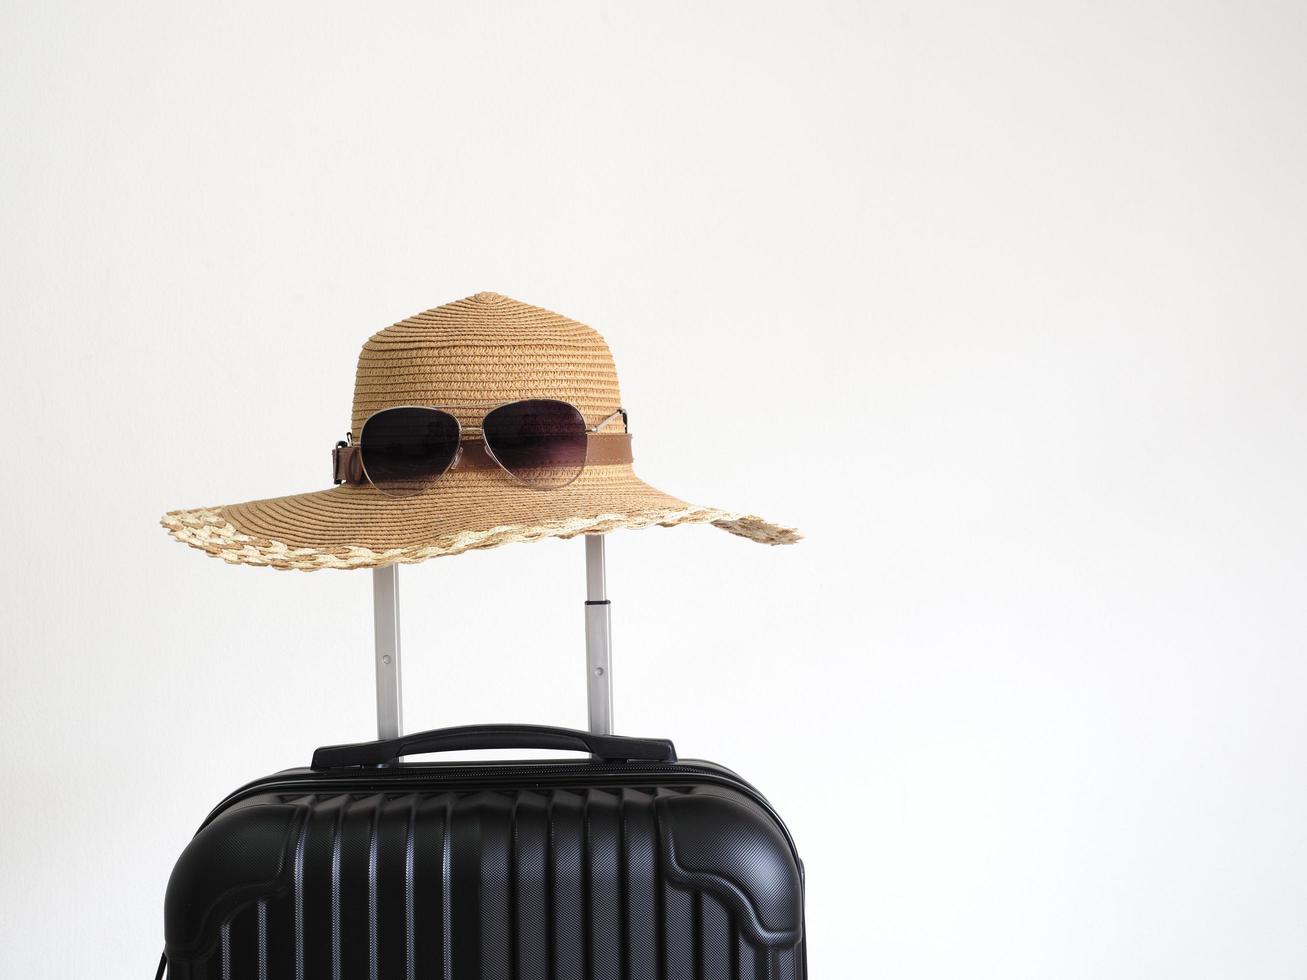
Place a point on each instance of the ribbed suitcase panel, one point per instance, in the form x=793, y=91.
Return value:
x=501, y=885
x=641, y=888
x=532, y=875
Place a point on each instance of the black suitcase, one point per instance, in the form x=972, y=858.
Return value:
x=629, y=864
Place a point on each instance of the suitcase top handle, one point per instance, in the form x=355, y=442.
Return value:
x=606, y=747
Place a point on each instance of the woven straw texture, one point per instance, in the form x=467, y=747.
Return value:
x=466, y=357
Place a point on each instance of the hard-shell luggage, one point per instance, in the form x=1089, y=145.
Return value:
x=626, y=865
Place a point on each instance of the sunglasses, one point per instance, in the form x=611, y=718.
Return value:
x=540, y=442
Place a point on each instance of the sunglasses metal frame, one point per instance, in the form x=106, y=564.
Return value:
x=464, y=430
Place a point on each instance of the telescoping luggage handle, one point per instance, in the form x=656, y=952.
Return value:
x=387, y=751
x=598, y=645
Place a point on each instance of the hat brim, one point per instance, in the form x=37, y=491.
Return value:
x=359, y=527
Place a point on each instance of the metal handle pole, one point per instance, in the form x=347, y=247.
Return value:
x=598, y=638
x=598, y=644
x=385, y=616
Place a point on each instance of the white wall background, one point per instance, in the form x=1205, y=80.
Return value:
x=1001, y=303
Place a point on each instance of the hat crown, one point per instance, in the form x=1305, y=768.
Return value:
x=474, y=354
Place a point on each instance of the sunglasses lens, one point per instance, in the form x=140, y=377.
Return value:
x=540, y=441
x=405, y=449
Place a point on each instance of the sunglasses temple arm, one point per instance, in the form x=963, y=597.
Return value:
x=385, y=622
x=620, y=413
x=598, y=638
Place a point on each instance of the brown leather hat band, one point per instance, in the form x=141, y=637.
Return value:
x=347, y=464
x=609, y=449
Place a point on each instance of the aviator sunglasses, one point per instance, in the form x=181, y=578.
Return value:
x=540, y=442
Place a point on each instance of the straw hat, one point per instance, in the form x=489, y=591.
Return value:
x=466, y=357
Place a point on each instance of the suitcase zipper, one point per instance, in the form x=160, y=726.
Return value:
x=492, y=777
